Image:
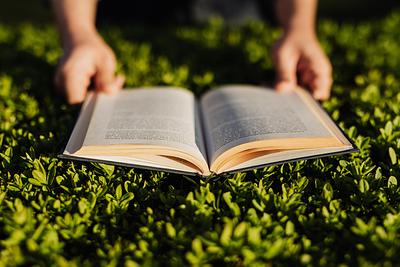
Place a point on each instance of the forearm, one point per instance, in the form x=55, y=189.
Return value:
x=297, y=16
x=75, y=19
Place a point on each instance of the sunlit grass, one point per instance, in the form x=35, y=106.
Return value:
x=338, y=210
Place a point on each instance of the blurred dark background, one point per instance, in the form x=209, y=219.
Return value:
x=189, y=11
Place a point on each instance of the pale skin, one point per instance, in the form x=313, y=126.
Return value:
x=87, y=59
x=297, y=55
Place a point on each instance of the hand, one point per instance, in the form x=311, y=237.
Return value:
x=301, y=56
x=85, y=60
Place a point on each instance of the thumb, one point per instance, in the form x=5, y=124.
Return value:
x=286, y=68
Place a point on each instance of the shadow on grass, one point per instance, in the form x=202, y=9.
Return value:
x=34, y=76
x=228, y=63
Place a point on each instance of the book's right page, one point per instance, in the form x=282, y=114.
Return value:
x=249, y=126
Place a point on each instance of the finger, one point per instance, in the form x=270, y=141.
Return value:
x=322, y=82
x=119, y=82
x=316, y=75
x=286, y=72
x=76, y=84
x=321, y=87
x=105, y=76
x=116, y=86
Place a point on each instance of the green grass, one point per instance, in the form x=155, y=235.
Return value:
x=332, y=211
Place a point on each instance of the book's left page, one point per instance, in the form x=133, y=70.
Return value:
x=149, y=127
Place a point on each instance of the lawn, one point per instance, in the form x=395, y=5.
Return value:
x=340, y=210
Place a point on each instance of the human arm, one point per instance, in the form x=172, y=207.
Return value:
x=87, y=58
x=298, y=56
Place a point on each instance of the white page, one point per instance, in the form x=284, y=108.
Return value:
x=285, y=156
x=158, y=116
x=153, y=162
x=237, y=114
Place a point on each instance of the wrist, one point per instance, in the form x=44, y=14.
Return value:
x=298, y=34
x=73, y=38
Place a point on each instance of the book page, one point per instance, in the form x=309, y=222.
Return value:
x=160, y=116
x=237, y=114
x=79, y=132
x=277, y=157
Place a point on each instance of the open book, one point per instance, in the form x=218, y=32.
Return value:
x=230, y=128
